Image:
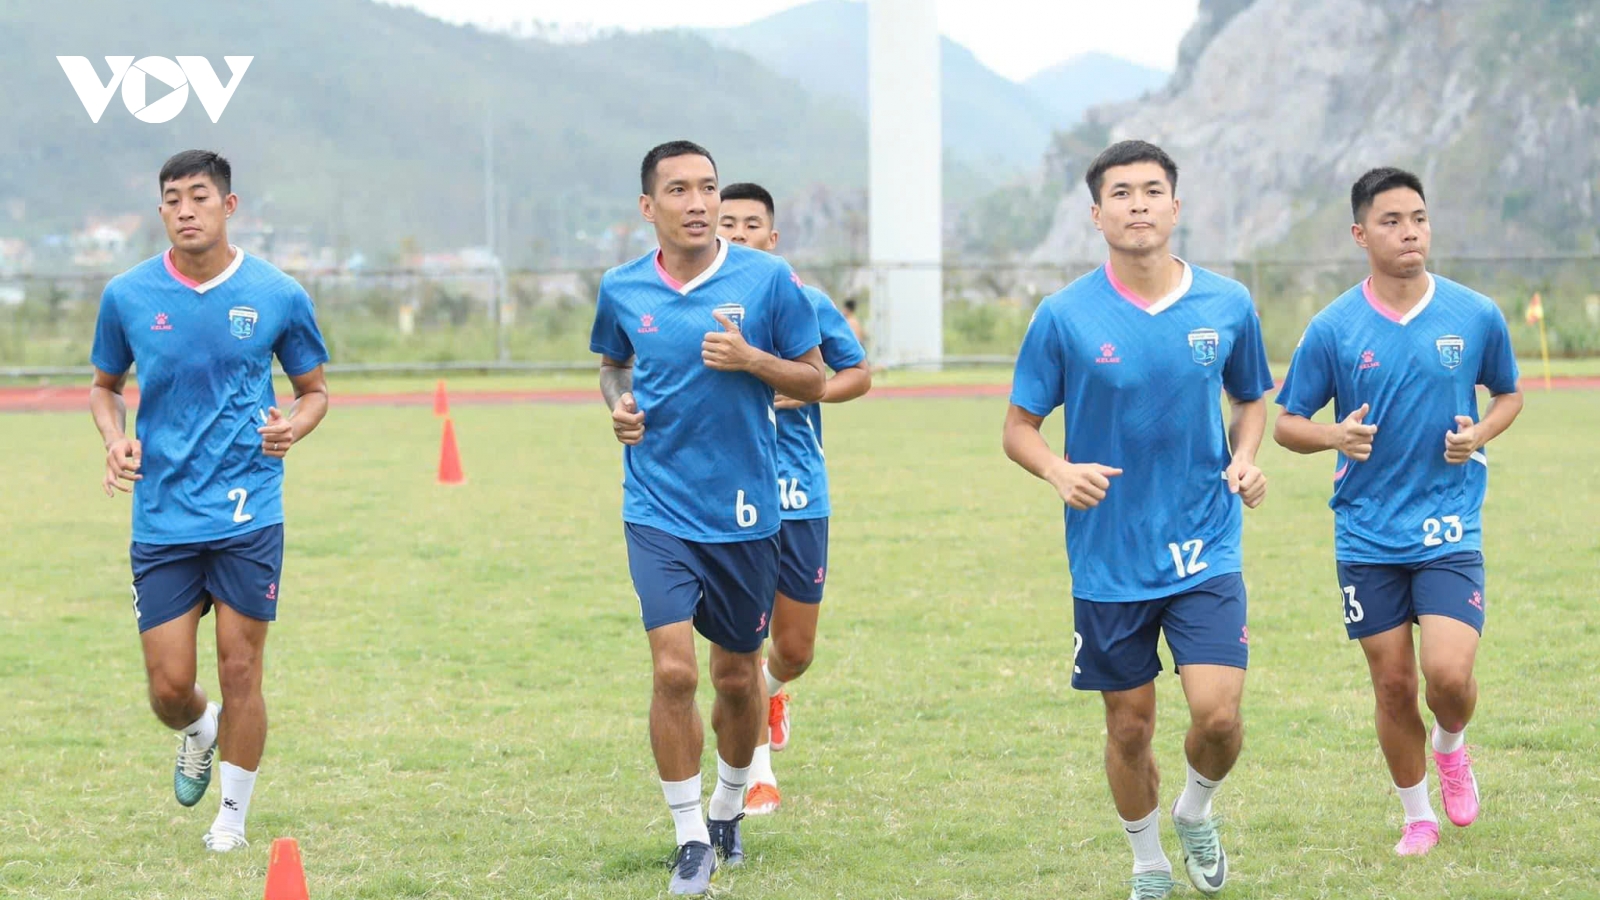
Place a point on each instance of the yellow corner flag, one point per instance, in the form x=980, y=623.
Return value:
x=1536, y=314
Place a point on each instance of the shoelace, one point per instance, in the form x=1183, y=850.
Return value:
x=193, y=762
x=1458, y=778
x=1152, y=885
x=722, y=835
x=688, y=859
x=1201, y=842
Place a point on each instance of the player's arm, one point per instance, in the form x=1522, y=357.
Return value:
x=616, y=386
x=848, y=383
x=110, y=411
x=1351, y=437
x=1469, y=438
x=1081, y=486
x=281, y=432
x=1245, y=431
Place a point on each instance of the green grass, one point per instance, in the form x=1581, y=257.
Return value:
x=458, y=682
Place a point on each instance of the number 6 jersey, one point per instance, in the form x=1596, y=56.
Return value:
x=1417, y=372
x=706, y=470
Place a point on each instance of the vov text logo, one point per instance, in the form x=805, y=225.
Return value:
x=135, y=80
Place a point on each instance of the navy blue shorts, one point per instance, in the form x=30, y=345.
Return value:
x=1378, y=598
x=1114, y=644
x=241, y=571
x=803, y=559
x=725, y=588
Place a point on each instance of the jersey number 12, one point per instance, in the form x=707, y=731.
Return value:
x=1193, y=565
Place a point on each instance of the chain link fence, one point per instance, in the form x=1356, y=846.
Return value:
x=527, y=320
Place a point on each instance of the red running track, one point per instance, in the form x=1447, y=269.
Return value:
x=58, y=398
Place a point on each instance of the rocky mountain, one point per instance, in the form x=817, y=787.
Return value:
x=1279, y=105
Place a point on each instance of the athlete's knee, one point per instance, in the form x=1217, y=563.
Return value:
x=239, y=671
x=795, y=651
x=1449, y=681
x=737, y=678
x=1129, y=730
x=1395, y=690
x=1218, y=725
x=169, y=696
x=676, y=678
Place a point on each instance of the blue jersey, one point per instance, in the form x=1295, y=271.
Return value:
x=1141, y=386
x=802, y=473
x=706, y=469
x=204, y=355
x=1405, y=503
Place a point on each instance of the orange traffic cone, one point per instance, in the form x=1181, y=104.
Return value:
x=441, y=403
x=286, y=877
x=450, y=458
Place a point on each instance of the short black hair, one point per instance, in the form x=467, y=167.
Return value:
x=198, y=162
x=647, y=170
x=1376, y=181
x=850, y=305
x=1126, y=153
x=747, y=190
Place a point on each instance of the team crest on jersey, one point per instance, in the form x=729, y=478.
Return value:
x=1450, y=347
x=734, y=312
x=242, y=322
x=1203, y=345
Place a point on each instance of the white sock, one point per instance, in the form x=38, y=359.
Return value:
x=1145, y=836
x=237, y=784
x=203, y=731
x=774, y=686
x=1194, y=804
x=761, y=766
x=727, y=800
x=1415, y=801
x=1445, y=742
x=683, y=798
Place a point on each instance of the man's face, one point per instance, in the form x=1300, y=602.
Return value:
x=1395, y=233
x=747, y=222
x=195, y=213
x=683, y=206
x=1137, y=210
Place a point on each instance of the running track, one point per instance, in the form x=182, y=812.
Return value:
x=59, y=398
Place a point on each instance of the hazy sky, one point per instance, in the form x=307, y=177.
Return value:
x=1013, y=37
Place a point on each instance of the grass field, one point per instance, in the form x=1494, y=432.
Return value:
x=458, y=682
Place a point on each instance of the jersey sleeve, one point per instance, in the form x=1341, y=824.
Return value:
x=1247, y=376
x=840, y=349
x=794, y=319
x=608, y=338
x=1498, y=370
x=300, y=347
x=1309, y=386
x=1037, y=382
x=111, y=353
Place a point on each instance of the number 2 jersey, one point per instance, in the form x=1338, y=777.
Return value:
x=706, y=469
x=1141, y=386
x=1417, y=372
x=204, y=355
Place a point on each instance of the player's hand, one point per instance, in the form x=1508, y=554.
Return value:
x=779, y=401
x=626, y=420
x=726, y=351
x=277, y=436
x=1353, y=438
x=1247, y=480
x=1082, y=485
x=1459, y=445
x=123, y=457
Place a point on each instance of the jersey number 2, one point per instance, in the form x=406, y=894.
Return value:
x=1194, y=565
x=241, y=495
